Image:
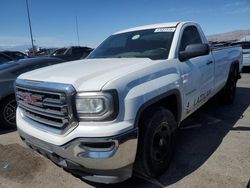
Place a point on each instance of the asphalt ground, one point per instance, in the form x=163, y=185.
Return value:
x=212, y=150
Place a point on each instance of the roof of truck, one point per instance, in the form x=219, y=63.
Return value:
x=152, y=26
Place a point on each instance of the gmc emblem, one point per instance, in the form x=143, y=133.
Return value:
x=31, y=99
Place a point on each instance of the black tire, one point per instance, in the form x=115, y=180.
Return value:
x=156, y=138
x=228, y=92
x=8, y=112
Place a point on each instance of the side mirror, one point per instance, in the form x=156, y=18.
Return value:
x=194, y=50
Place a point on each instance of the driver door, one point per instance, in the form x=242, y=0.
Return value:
x=196, y=73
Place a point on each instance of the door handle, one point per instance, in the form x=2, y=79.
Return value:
x=209, y=62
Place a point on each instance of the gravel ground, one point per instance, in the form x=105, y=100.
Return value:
x=213, y=150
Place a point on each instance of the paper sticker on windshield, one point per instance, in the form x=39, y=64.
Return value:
x=135, y=37
x=165, y=29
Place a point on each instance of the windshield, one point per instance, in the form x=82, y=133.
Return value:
x=152, y=43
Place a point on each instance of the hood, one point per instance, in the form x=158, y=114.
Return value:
x=87, y=74
x=8, y=65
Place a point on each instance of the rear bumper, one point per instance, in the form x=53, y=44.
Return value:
x=103, y=160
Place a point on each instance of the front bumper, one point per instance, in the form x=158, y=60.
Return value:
x=103, y=160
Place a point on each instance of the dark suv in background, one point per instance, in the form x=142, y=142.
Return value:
x=15, y=55
x=4, y=58
x=71, y=53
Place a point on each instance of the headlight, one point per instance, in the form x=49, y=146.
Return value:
x=95, y=105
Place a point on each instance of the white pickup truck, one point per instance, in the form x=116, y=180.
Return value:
x=116, y=112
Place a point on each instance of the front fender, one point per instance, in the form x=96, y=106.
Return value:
x=150, y=83
x=149, y=93
x=7, y=88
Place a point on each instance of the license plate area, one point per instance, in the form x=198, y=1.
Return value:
x=38, y=144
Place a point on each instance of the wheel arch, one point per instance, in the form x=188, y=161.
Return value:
x=171, y=100
x=7, y=96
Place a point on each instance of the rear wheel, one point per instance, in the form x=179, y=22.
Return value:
x=155, y=146
x=228, y=92
x=8, y=112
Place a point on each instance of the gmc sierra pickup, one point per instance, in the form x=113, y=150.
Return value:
x=117, y=111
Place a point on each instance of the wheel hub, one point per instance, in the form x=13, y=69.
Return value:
x=161, y=142
x=10, y=112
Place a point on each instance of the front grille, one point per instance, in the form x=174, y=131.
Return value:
x=50, y=106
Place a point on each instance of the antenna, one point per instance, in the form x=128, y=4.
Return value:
x=31, y=36
x=77, y=32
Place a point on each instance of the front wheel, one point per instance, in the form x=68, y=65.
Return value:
x=8, y=112
x=155, y=146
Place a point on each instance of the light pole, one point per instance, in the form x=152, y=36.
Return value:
x=77, y=32
x=31, y=36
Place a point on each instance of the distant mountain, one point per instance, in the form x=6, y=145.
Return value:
x=234, y=35
x=20, y=48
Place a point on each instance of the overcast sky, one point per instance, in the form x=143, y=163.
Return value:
x=53, y=21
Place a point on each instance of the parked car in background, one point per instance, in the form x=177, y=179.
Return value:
x=245, y=51
x=15, y=55
x=72, y=53
x=11, y=70
x=4, y=58
x=58, y=52
x=44, y=51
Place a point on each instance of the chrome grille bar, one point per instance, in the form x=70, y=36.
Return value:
x=49, y=113
x=47, y=103
x=43, y=120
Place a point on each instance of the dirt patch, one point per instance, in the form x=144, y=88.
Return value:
x=18, y=163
